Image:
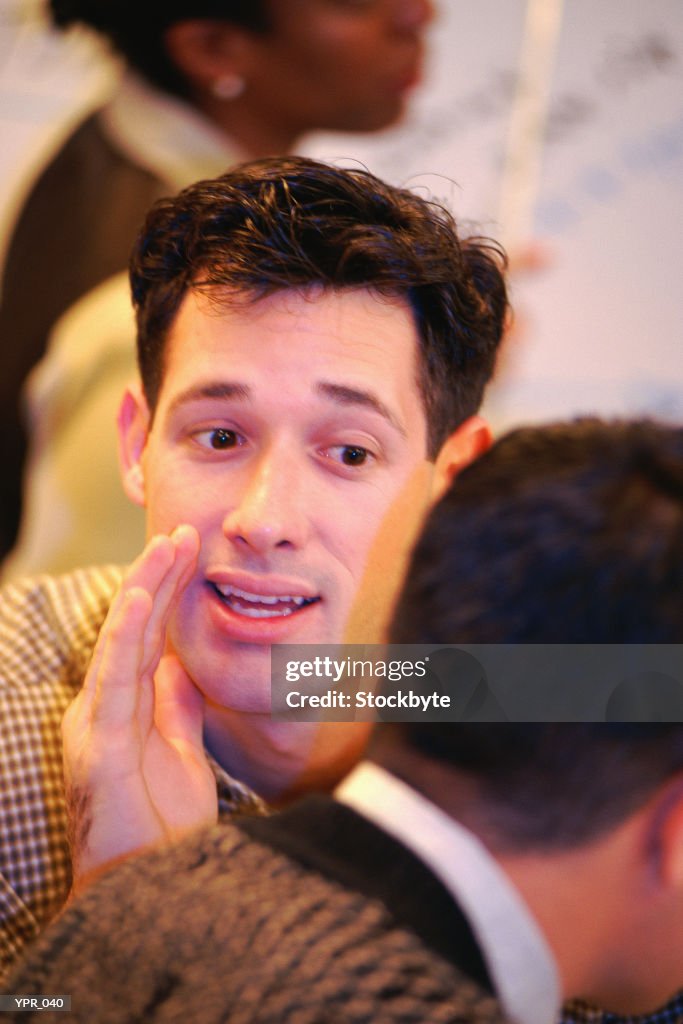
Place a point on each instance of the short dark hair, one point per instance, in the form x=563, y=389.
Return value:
x=567, y=533
x=136, y=29
x=294, y=223
x=540, y=786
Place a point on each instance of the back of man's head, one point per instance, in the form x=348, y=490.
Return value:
x=297, y=224
x=534, y=787
x=571, y=533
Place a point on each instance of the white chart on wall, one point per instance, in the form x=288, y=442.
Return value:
x=602, y=325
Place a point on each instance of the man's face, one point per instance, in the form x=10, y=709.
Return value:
x=291, y=433
x=345, y=65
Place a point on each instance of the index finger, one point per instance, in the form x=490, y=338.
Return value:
x=147, y=573
x=186, y=542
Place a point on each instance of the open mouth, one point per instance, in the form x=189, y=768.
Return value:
x=261, y=606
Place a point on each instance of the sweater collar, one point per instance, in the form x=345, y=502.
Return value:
x=329, y=837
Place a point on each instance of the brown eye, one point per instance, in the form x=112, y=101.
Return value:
x=354, y=456
x=350, y=456
x=221, y=438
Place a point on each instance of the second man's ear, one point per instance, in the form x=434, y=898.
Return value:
x=133, y=424
x=470, y=440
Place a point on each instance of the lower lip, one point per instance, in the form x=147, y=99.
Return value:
x=277, y=629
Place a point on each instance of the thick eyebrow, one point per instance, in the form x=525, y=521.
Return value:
x=342, y=394
x=217, y=389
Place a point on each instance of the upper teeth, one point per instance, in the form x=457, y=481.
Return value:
x=228, y=591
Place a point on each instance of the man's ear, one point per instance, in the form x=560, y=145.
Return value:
x=205, y=50
x=471, y=439
x=133, y=424
x=666, y=843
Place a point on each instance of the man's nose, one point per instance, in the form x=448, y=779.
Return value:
x=271, y=511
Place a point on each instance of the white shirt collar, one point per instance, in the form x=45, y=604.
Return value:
x=165, y=135
x=520, y=962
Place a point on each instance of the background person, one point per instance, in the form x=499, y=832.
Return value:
x=209, y=84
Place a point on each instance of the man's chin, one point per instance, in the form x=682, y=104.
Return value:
x=238, y=681
x=246, y=696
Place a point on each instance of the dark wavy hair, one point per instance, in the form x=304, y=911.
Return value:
x=136, y=28
x=294, y=223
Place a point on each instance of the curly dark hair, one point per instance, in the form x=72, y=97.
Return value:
x=137, y=29
x=294, y=223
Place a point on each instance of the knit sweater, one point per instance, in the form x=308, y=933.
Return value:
x=312, y=915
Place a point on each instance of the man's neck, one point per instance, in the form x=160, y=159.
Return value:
x=283, y=760
x=576, y=895
x=579, y=897
x=256, y=136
